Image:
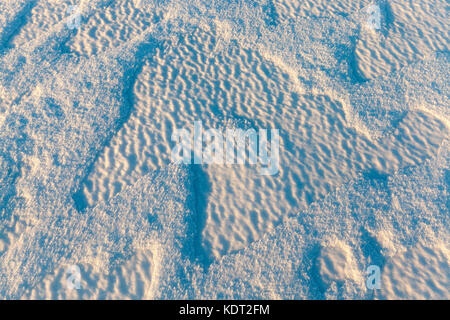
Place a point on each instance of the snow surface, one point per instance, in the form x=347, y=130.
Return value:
x=87, y=113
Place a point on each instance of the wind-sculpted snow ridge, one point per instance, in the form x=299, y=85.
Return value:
x=52, y=131
x=321, y=253
x=39, y=19
x=151, y=218
x=13, y=15
x=397, y=222
x=199, y=78
x=57, y=111
x=415, y=29
x=408, y=30
x=122, y=21
x=86, y=114
x=379, y=105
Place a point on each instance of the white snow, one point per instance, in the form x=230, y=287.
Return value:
x=87, y=113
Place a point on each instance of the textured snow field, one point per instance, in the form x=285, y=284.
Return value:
x=88, y=107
